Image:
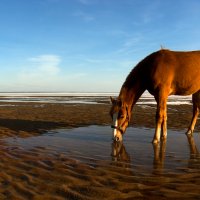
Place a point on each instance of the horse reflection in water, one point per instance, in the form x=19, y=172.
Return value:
x=159, y=156
x=194, y=161
x=122, y=158
x=120, y=155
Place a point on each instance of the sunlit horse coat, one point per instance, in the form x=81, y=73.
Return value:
x=162, y=73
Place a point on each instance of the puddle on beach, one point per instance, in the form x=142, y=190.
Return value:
x=168, y=170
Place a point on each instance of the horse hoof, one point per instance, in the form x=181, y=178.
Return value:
x=189, y=132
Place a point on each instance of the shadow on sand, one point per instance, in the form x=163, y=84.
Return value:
x=29, y=125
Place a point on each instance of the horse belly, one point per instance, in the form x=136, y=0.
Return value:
x=174, y=82
x=187, y=84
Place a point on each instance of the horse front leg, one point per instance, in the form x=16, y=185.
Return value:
x=164, y=126
x=161, y=122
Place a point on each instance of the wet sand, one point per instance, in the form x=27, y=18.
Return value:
x=35, y=118
x=64, y=151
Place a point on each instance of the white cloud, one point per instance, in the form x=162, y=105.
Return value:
x=44, y=64
x=129, y=45
x=84, y=16
x=40, y=72
x=84, y=1
x=44, y=73
x=88, y=2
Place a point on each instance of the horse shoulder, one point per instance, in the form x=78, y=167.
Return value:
x=161, y=68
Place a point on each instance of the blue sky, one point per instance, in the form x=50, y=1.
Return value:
x=87, y=45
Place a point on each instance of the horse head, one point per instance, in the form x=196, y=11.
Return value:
x=120, y=156
x=120, y=116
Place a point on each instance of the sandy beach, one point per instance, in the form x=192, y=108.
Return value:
x=36, y=163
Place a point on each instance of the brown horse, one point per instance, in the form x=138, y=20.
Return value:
x=162, y=73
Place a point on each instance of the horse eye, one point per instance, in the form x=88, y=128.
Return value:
x=122, y=116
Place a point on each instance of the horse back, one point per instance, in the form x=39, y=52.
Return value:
x=176, y=72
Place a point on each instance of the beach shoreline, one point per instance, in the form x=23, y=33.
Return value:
x=26, y=118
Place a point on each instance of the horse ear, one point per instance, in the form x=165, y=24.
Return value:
x=112, y=100
x=120, y=103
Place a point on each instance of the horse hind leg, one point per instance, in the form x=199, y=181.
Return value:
x=196, y=108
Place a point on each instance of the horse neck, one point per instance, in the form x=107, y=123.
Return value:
x=132, y=89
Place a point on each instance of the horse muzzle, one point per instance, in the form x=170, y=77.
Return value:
x=118, y=138
x=118, y=132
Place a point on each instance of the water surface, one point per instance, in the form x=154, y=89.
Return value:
x=96, y=142
x=134, y=168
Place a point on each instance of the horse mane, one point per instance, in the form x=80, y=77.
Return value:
x=144, y=66
x=141, y=68
x=139, y=74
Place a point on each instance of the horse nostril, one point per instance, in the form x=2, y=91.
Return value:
x=117, y=139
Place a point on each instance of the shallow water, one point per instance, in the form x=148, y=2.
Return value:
x=135, y=168
x=96, y=142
